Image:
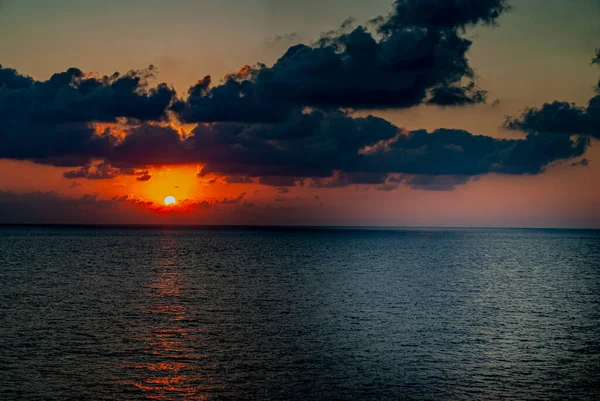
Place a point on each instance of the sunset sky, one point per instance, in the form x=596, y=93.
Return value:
x=285, y=112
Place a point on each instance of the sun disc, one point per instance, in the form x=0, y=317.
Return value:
x=170, y=200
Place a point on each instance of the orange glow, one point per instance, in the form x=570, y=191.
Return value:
x=180, y=182
x=171, y=370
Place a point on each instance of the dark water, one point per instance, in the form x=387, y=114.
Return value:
x=174, y=314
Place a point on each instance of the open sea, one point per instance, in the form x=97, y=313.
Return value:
x=298, y=314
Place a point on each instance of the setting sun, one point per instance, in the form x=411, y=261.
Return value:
x=170, y=200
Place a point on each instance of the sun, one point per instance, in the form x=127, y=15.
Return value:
x=170, y=200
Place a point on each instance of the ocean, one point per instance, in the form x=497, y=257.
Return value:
x=150, y=313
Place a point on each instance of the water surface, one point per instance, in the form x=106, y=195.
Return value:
x=287, y=314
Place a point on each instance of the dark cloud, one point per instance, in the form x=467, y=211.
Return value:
x=335, y=149
x=11, y=80
x=204, y=205
x=237, y=99
x=457, y=152
x=237, y=179
x=275, y=181
x=48, y=121
x=457, y=95
x=52, y=208
x=255, y=126
x=131, y=200
x=231, y=201
x=392, y=182
x=285, y=38
x=582, y=162
x=443, y=14
x=332, y=148
x=105, y=171
x=562, y=117
x=365, y=150
x=436, y=183
x=307, y=145
x=71, y=144
x=100, y=171
x=74, y=97
x=596, y=59
x=33, y=208
x=341, y=179
x=417, y=55
x=148, y=144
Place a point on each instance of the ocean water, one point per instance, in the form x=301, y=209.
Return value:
x=298, y=314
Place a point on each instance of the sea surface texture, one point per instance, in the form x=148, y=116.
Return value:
x=298, y=314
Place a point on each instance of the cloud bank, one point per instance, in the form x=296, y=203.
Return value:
x=416, y=55
x=293, y=122
x=562, y=117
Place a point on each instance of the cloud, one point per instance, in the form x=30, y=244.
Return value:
x=425, y=182
x=278, y=181
x=341, y=179
x=436, y=183
x=582, y=162
x=131, y=200
x=48, y=121
x=71, y=144
x=364, y=150
x=32, y=208
x=309, y=144
x=562, y=117
x=282, y=39
x=231, y=201
x=204, y=205
x=238, y=179
x=443, y=14
x=226, y=201
x=100, y=171
x=333, y=149
x=75, y=97
x=416, y=56
x=256, y=127
x=105, y=171
x=457, y=95
x=237, y=99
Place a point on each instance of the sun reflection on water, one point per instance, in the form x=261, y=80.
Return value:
x=169, y=364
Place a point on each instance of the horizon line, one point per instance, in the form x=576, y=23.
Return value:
x=285, y=226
